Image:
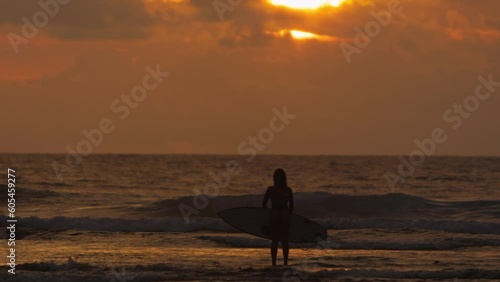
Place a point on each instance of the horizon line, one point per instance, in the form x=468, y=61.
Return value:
x=262, y=154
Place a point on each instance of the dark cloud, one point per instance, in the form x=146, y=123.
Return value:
x=249, y=23
x=85, y=19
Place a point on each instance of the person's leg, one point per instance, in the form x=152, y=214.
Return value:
x=285, y=228
x=274, y=251
x=275, y=234
x=286, y=249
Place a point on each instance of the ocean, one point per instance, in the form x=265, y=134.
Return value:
x=154, y=218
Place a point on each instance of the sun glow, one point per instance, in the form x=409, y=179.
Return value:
x=303, y=35
x=297, y=34
x=307, y=4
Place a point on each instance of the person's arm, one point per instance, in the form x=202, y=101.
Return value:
x=291, y=205
x=266, y=198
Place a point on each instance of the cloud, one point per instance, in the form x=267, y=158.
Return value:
x=228, y=75
x=250, y=23
x=84, y=20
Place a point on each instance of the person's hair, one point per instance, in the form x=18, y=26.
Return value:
x=280, y=178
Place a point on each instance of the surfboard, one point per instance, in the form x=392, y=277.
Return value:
x=255, y=221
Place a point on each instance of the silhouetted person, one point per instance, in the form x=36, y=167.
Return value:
x=282, y=206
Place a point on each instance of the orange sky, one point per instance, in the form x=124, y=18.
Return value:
x=226, y=76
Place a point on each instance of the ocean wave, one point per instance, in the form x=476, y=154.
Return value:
x=333, y=243
x=327, y=206
x=168, y=224
x=309, y=204
x=453, y=226
x=177, y=224
x=27, y=193
x=317, y=205
x=390, y=211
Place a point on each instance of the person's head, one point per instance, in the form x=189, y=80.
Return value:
x=280, y=178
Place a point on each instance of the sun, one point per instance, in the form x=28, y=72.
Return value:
x=306, y=4
x=302, y=35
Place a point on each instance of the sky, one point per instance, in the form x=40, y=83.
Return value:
x=359, y=77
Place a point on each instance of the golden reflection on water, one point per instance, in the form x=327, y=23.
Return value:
x=129, y=249
x=115, y=252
